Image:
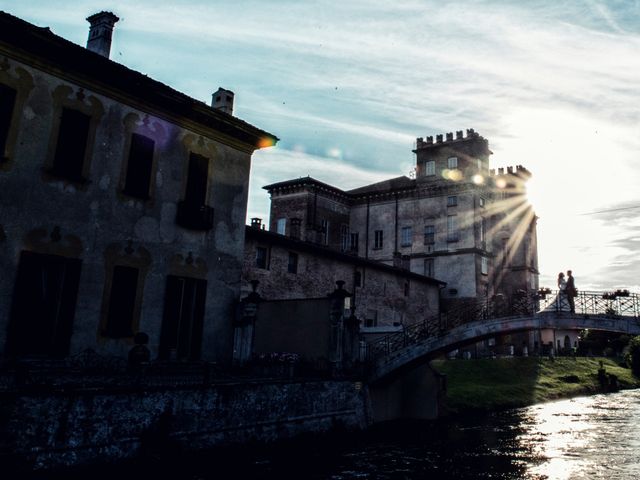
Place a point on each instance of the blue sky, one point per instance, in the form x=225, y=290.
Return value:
x=348, y=86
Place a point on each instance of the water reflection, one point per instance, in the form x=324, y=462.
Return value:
x=594, y=437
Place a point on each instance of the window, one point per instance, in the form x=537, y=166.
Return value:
x=357, y=279
x=7, y=102
x=452, y=163
x=406, y=289
x=429, y=234
x=430, y=168
x=482, y=232
x=354, y=242
x=428, y=267
x=139, y=166
x=371, y=320
x=484, y=265
x=262, y=260
x=452, y=233
x=71, y=147
x=122, y=301
x=377, y=241
x=479, y=164
x=407, y=237
x=183, y=318
x=325, y=231
x=292, y=266
x=281, y=226
x=197, y=176
x=452, y=201
x=481, y=201
x=44, y=303
x=344, y=237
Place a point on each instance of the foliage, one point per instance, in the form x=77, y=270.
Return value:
x=594, y=342
x=633, y=355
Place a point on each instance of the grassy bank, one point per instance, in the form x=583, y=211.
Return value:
x=492, y=384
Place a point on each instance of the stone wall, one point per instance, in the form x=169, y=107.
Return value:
x=81, y=426
x=385, y=295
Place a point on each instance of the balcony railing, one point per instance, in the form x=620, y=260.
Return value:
x=194, y=217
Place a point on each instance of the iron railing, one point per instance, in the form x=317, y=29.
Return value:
x=546, y=301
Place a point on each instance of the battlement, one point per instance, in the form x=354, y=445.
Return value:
x=519, y=171
x=421, y=142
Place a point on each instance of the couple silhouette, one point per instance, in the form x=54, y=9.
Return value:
x=566, y=292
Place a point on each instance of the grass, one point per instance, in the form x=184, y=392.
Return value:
x=494, y=384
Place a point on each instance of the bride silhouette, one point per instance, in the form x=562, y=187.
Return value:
x=561, y=302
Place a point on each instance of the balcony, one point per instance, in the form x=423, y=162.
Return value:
x=194, y=217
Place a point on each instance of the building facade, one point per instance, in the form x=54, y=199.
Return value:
x=122, y=203
x=457, y=221
x=383, y=297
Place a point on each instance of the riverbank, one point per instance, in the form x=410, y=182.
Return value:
x=496, y=384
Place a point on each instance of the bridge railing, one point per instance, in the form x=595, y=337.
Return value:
x=618, y=303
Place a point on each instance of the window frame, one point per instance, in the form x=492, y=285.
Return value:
x=452, y=163
x=430, y=168
x=378, y=239
x=452, y=201
x=263, y=265
x=292, y=267
x=406, y=236
x=429, y=236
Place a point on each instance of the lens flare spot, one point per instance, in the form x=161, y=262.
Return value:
x=501, y=183
x=478, y=179
x=334, y=153
x=266, y=142
x=455, y=175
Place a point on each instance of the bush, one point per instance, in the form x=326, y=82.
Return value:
x=633, y=357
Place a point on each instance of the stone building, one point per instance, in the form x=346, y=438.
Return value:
x=122, y=203
x=384, y=297
x=456, y=221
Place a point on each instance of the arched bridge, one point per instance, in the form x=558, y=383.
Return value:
x=611, y=311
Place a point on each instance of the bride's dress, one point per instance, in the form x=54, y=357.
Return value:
x=560, y=303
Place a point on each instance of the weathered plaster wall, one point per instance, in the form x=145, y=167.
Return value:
x=96, y=216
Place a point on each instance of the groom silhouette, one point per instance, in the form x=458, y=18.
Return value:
x=571, y=291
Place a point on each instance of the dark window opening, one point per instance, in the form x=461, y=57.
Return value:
x=183, y=319
x=122, y=302
x=139, y=166
x=406, y=289
x=377, y=243
x=357, y=279
x=261, y=257
x=197, y=176
x=72, y=144
x=229, y=98
x=44, y=304
x=7, y=102
x=354, y=242
x=292, y=266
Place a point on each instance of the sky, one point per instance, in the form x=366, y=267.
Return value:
x=348, y=86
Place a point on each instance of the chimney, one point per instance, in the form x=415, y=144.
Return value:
x=100, y=32
x=223, y=100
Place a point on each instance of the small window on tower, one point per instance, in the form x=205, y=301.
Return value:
x=430, y=168
x=452, y=163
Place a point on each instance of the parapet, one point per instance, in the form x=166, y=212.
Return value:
x=441, y=139
x=519, y=171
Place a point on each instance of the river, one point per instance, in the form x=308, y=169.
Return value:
x=595, y=437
